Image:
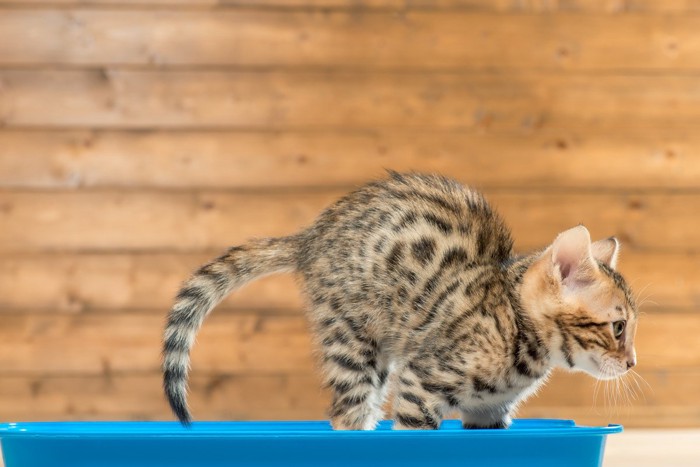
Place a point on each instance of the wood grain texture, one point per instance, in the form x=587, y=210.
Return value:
x=517, y=102
x=384, y=40
x=109, y=282
x=56, y=344
x=213, y=220
x=163, y=220
x=131, y=342
x=557, y=158
x=105, y=283
x=140, y=396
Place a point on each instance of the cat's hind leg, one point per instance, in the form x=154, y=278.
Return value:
x=355, y=371
x=415, y=407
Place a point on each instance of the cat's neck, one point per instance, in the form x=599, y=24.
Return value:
x=516, y=266
x=536, y=339
x=536, y=294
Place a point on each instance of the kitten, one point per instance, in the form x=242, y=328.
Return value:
x=412, y=283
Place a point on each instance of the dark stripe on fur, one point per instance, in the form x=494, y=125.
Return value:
x=481, y=385
x=432, y=313
x=441, y=224
x=423, y=250
x=347, y=362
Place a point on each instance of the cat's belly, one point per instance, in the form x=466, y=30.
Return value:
x=507, y=395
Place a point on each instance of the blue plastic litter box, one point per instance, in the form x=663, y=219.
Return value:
x=539, y=443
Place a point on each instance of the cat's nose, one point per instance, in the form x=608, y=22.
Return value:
x=631, y=361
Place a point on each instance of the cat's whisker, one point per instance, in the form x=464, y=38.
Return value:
x=609, y=393
x=621, y=394
x=643, y=301
x=617, y=393
x=642, y=296
x=634, y=388
x=639, y=294
x=647, y=301
x=640, y=377
x=608, y=398
x=622, y=390
x=629, y=390
x=631, y=377
x=596, y=388
x=634, y=378
x=606, y=405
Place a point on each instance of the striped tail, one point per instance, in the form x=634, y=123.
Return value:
x=201, y=293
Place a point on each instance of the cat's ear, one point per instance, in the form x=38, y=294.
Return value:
x=606, y=251
x=572, y=258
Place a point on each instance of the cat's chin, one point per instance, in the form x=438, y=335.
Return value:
x=606, y=376
x=599, y=375
x=608, y=371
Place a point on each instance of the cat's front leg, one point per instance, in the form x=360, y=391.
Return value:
x=486, y=417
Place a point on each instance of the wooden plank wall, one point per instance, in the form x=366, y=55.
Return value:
x=140, y=137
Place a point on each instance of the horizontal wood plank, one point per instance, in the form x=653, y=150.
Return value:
x=70, y=283
x=213, y=220
x=127, y=342
x=107, y=283
x=162, y=219
x=521, y=6
x=299, y=396
x=561, y=158
x=140, y=397
x=357, y=39
x=517, y=102
x=112, y=282
x=56, y=344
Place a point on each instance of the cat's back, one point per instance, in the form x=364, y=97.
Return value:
x=424, y=214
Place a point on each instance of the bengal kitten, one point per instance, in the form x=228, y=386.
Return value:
x=412, y=283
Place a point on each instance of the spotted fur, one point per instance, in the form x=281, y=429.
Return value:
x=412, y=284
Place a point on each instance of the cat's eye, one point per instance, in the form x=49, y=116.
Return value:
x=618, y=328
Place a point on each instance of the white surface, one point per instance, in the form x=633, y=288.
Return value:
x=657, y=448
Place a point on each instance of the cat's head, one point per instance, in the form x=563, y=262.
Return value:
x=590, y=312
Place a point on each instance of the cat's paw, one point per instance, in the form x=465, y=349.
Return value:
x=493, y=426
x=485, y=421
